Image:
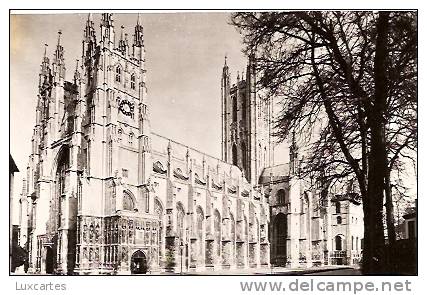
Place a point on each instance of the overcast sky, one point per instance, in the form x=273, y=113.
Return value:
x=184, y=58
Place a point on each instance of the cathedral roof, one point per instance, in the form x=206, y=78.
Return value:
x=12, y=166
x=277, y=173
x=352, y=197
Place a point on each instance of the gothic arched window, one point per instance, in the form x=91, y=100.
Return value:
x=200, y=219
x=62, y=179
x=280, y=233
x=158, y=208
x=244, y=110
x=281, y=197
x=217, y=231
x=337, y=207
x=132, y=81
x=128, y=201
x=180, y=221
x=338, y=243
x=118, y=74
x=244, y=156
x=234, y=154
x=234, y=109
x=339, y=220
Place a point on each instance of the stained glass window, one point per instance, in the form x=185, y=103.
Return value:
x=128, y=202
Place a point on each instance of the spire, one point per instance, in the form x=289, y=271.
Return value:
x=122, y=42
x=225, y=68
x=59, y=52
x=77, y=73
x=59, y=37
x=58, y=59
x=138, y=38
x=137, y=20
x=89, y=32
x=45, y=61
x=44, y=70
x=89, y=39
x=138, y=50
x=45, y=51
x=107, y=20
x=107, y=30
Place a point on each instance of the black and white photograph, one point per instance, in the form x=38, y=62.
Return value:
x=205, y=143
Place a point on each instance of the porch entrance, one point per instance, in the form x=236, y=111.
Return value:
x=138, y=263
x=50, y=260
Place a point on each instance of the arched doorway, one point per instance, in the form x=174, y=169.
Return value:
x=339, y=254
x=138, y=263
x=279, y=238
x=338, y=243
x=50, y=260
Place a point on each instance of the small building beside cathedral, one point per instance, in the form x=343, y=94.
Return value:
x=104, y=194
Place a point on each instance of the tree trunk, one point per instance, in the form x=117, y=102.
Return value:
x=374, y=254
x=391, y=233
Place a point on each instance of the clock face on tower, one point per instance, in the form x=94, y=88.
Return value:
x=126, y=107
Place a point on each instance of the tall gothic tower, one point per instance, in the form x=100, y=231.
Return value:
x=116, y=114
x=90, y=162
x=246, y=123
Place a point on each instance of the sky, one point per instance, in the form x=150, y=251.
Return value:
x=184, y=59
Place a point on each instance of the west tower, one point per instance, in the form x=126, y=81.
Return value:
x=90, y=164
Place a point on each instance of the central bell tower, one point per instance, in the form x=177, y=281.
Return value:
x=246, y=123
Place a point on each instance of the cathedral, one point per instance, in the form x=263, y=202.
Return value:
x=104, y=194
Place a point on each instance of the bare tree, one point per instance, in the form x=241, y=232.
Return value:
x=347, y=83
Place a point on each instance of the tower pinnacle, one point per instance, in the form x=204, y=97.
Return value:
x=58, y=59
x=138, y=36
x=59, y=52
x=123, y=46
x=225, y=67
x=77, y=73
x=89, y=32
x=45, y=51
x=138, y=50
x=59, y=36
x=45, y=68
x=107, y=30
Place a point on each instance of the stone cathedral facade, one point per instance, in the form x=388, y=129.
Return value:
x=104, y=194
